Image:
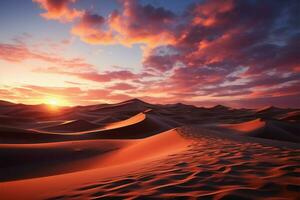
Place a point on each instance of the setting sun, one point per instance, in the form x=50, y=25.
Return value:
x=54, y=101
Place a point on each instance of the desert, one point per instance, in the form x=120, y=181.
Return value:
x=150, y=151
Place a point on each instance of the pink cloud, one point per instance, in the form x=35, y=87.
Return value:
x=14, y=53
x=104, y=77
x=122, y=86
x=59, y=10
x=20, y=52
x=92, y=74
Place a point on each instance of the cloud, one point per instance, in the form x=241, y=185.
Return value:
x=105, y=76
x=77, y=66
x=145, y=24
x=134, y=24
x=221, y=37
x=14, y=53
x=92, y=74
x=20, y=53
x=61, y=91
x=90, y=29
x=161, y=58
x=122, y=86
x=59, y=10
x=33, y=94
x=214, y=50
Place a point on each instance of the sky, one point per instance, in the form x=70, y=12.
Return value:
x=239, y=53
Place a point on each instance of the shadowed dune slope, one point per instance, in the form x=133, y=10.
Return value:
x=132, y=105
x=72, y=126
x=12, y=135
x=269, y=129
x=293, y=116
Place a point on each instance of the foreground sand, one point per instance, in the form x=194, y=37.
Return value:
x=149, y=152
x=201, y=163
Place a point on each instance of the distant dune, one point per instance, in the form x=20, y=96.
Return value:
x=247, y=126
x=293, y=116
x=138, y=126
x=138, y=150
x=269, y=129
x=72, y=126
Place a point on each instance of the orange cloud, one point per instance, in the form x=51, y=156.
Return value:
x=134, y=24
x=59, y=10
x=143, y=24
x=90, y=30
x=206, y=14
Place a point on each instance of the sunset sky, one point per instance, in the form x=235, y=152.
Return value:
x=237, y=53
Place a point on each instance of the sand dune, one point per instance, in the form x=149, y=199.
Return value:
x=5, y=103
x=269, y=129
x=293, y=116
x=72, y=126
x=62, y=157
x=137, y=150
x=133, y=105
x=138, y=126
x=246, y=126
x=18, y=135
x=50, y=158
x=270, y=112
x=14, y=121
x=198, y=163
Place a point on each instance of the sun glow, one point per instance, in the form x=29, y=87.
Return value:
x=54, y=101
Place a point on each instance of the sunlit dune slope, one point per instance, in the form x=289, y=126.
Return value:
x=246, y=126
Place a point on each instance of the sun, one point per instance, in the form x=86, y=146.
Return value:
x=53, y=101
